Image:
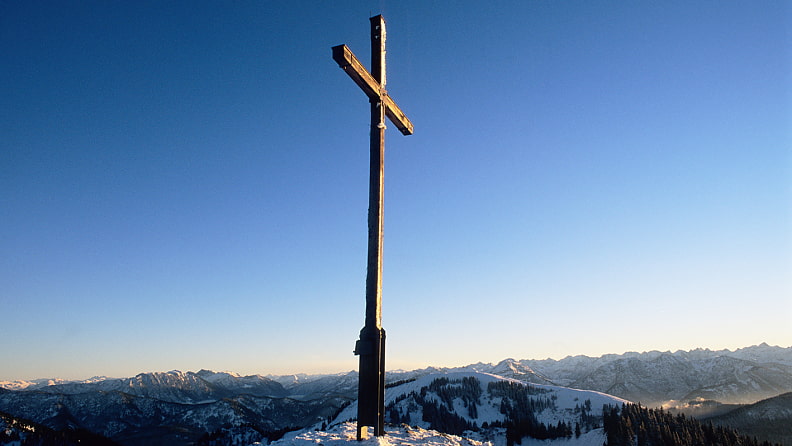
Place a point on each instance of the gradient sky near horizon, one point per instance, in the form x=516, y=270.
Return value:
x=184, y=184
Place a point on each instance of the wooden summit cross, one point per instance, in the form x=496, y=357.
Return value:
x=371, y=345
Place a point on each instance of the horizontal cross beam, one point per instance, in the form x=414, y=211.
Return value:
x=352, y=66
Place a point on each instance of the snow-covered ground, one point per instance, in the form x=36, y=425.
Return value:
x=489, y=410
x=345, y=434
x=419, y=432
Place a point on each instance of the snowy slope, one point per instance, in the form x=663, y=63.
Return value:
x=451, y=392
x=345, y=435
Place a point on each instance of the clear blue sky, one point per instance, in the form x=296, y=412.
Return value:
x=184, y=184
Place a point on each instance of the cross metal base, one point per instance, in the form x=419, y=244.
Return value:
x=371, y=381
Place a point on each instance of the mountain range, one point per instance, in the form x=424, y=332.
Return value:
x=189, y=407
x=168, y=408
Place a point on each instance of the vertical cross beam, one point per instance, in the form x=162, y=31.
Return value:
x=371, y=385
x=376, y=177
x=371, y=345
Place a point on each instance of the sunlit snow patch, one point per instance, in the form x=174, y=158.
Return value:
x=346, y=434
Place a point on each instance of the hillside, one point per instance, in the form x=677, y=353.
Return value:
x=470, y=401
x=770, y=419
x=16, y=432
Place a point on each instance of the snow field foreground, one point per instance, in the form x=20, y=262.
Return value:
x=406, y=403
x=346, y=434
